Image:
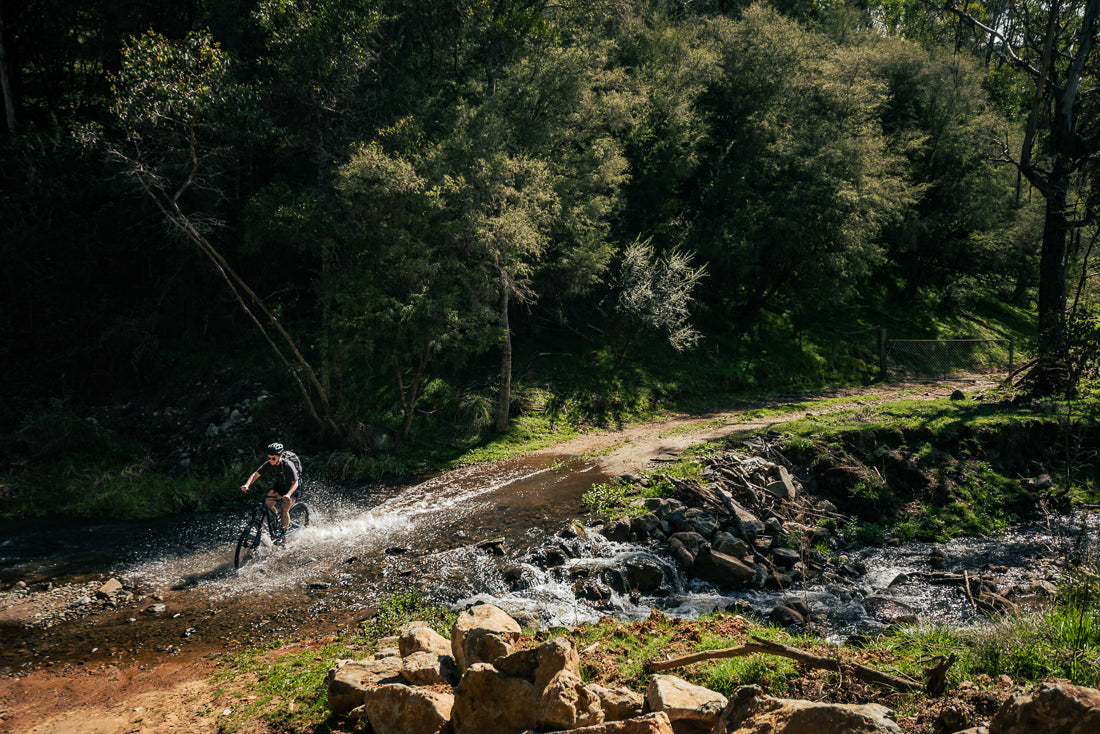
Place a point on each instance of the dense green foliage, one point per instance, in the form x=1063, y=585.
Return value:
x=424, y=223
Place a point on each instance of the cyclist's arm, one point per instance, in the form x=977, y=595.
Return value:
x=251, y=479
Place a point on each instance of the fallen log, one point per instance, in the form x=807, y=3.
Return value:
x=765, y=647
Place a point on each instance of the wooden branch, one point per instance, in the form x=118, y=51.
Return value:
x=762, y=646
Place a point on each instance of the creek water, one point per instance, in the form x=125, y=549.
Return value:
x=479, y=534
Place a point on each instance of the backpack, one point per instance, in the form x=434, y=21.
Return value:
x=297, y=462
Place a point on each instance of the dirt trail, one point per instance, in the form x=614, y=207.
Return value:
x=173, y=693
x=645, y=447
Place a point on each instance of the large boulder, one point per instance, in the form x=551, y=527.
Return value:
x=618, y=704
x=393, y=708
x=429, y=669
x=1052, y=708
x=567, y=703
x=423, y=639
x=751, y=711
x=482, y=634
x=349, y=680
x=722, y=570
x=555, y=656
x=487, y=702
x=684, y=702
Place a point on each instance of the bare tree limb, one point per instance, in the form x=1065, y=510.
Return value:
x=766, y=647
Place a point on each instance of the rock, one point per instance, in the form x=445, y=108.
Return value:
x=591, y=590
x=684, y=701
x=683, y=557
x=723, y=571
x=555, y=656
x=567, y=703
x=785, y=557
x=644, y=525
x=746, y=524
x=663, y=507
x=618, y=530
x=109, y=589
x=725, y=543
x=951, y=719
x=348, y=681
x=890, y=611
x=1051, y=708
x=787, y=616
x=618, y=704
x=958, y=395
x=482, y=633
x=656, y=723
x=936, y=560
x=644, y=575
x=520, y=664
x=423, y=639
x=750, y=711
x=700, y=522
x=394, y=708
x=486, y=701
x=429, y=669
x=783, y=488
x=691, y=540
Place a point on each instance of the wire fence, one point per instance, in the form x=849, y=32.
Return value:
x=943, y=357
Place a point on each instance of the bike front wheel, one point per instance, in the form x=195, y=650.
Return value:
x=247, y=544
x=299, y=516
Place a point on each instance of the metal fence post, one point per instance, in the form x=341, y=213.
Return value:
x=882, y=354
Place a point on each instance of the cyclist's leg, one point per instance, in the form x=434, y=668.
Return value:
x=284, y=511
x=273, y=502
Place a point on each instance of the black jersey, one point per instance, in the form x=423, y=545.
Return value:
x=284, y=474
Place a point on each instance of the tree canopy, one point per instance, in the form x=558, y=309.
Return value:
x=396, y=203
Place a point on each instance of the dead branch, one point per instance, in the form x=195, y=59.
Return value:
x=762, y=646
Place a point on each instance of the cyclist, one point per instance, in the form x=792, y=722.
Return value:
x=285, y=476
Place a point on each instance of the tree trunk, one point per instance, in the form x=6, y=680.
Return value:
x=409, y=396
x=1052, y=278
x=5, y=85
x=505, y=397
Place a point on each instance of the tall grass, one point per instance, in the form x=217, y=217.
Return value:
x=1061, y=640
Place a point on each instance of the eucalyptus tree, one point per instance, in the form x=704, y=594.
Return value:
x=180, y=109
x=1053, y=45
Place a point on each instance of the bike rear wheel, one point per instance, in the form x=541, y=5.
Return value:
x=247, y=544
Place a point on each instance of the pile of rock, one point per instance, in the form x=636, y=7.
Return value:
x=750, y=526
x=478, y=683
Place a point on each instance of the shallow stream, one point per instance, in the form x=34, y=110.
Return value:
x=477, y=534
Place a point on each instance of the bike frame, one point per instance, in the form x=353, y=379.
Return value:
x=252, y=533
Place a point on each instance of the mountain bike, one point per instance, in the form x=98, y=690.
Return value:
x=267, y=520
